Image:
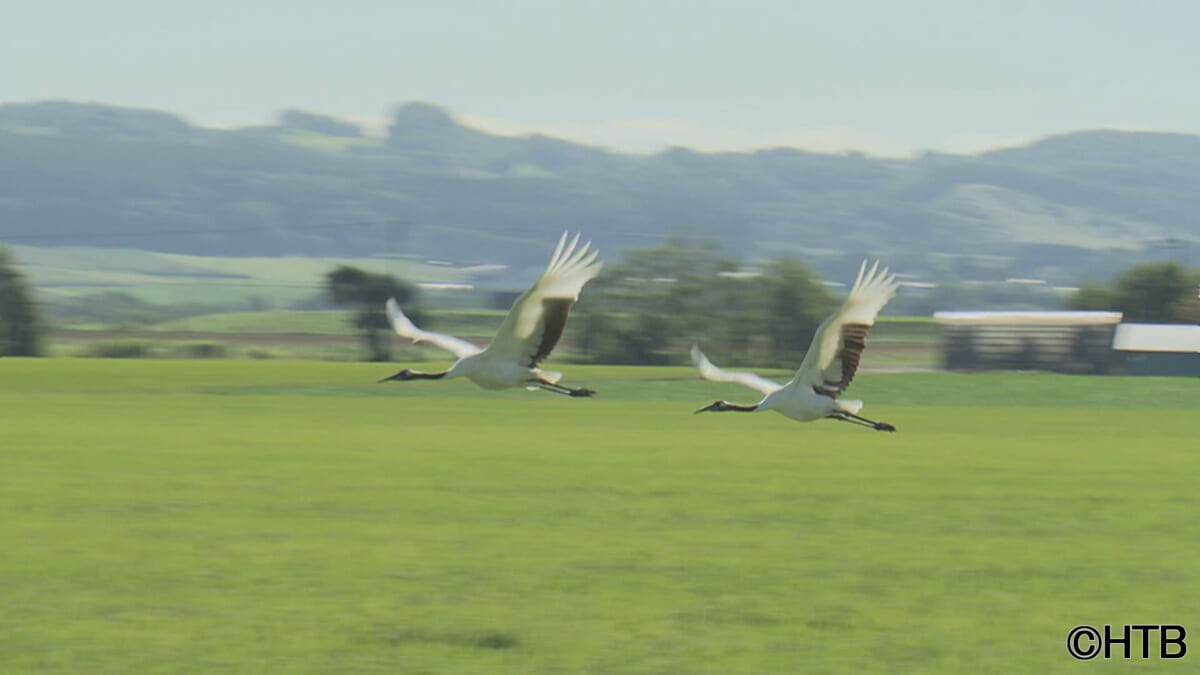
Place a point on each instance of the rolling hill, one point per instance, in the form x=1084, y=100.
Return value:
x=1064, y=208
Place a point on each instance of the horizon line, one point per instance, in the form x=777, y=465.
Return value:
x=651, y=137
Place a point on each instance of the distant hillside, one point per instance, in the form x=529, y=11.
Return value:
x=90, y=175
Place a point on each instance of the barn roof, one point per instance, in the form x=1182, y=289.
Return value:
x=1157, y=337
x=1029, y=318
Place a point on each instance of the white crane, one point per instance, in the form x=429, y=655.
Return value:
x=529, y=332
x=828, y=367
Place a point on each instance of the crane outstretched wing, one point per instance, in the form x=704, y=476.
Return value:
x=536, y=321
x=405, y=328
x=710, y=372
x=837, y=346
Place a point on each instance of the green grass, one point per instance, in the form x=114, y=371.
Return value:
x=236, y=516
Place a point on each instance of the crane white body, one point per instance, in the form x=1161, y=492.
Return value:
x=528, y=335
x=805, y=405
x=828, y=366
x=491, y=373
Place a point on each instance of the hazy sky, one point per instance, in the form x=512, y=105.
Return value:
x=887, y=78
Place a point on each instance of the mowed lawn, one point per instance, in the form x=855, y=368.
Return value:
x=246, y=516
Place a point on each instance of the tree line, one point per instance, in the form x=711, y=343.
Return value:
x=646, y=307
x=20, y=325
x=1164, y=292
x=639, y=310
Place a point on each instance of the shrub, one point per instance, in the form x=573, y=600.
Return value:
x=204, y=350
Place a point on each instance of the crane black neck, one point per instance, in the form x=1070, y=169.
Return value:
x=408, y=374
x=417, y=375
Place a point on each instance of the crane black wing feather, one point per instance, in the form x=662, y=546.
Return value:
x=832, y=359
x=535, y=323
x=554, y=320
x=840, y=373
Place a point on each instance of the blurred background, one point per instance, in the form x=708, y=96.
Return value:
x=191, y=182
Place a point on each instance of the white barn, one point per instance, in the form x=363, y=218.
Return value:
x=1159, y=349
x=1067, y=342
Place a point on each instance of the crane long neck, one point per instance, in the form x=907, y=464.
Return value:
x=417, y=375
x=734, y=407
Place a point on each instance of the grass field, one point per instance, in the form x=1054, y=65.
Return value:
x=237, y=516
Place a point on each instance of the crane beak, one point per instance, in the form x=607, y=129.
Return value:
x=715, y=405
x=398, y=376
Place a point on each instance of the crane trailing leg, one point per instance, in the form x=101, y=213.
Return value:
x=861, y=421
x=562, y=389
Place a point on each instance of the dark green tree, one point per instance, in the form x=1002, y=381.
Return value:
x=796, y=302
x=1153, y=292
x=20, y=329
x=649, y=308
x=367, y=292
x=1092, y=296
x=1187, y=310
x=639, y=307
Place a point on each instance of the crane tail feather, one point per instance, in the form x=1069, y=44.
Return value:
x=848, y=405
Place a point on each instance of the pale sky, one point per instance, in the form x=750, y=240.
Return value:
x=886, y=78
